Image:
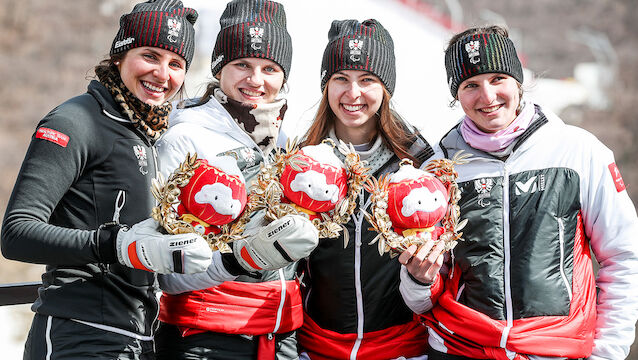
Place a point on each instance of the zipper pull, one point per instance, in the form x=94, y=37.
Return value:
x=119, y=204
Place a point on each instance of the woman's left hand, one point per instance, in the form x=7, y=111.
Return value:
x=425, y=263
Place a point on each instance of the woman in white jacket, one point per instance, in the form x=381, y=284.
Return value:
x=254, y=314
x=537, y=194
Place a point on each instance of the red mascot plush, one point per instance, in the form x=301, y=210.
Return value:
x=318, y=186
x=215, y=195
x=416, y=202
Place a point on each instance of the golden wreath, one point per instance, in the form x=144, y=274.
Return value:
x=167, y=192
x=268, y=191
x=387, y=239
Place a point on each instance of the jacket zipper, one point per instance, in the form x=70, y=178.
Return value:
x=282, y=301
x=507, y=259
x=561, y=240
x=358, y=220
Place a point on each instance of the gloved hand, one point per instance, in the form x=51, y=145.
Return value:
x=144, y=247
x=278, y=244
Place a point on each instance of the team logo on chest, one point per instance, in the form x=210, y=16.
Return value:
x=142, y=162
x=483, y=187
x=174, y=26
x=355, y=45
x=256, y=37
x=472, y=49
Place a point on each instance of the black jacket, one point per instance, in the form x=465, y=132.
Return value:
x=334, y=275
x=64, y=192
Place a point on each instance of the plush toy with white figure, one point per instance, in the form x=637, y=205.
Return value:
x=417, y=201
x=319, y=184
x=207, y=196
x=412, y=206
x=313, y=182
x=214, y=196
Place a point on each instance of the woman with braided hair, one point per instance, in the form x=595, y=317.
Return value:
x=86, y=175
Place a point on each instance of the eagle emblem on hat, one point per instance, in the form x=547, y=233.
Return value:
x=256, y=35
x=355, y=45
x=472, y=49
x=174, y=26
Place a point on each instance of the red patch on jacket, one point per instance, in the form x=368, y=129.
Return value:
x=52, y=136
x=615, y=174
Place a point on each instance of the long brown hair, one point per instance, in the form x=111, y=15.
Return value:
x=392, y=128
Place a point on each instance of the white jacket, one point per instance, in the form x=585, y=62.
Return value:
x=608, y=215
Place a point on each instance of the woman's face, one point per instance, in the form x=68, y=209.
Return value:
x=251, y=80
x=490, y=100
x=354, y=97
x=152, y=74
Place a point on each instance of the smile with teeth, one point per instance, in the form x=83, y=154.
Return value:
x=152, y=87
x=491, y=108
x=251, y=92
x=353, y=107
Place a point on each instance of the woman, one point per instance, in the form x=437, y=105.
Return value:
x=86, y=174
x=251, y=315
x=353, y=309
x=538, y=194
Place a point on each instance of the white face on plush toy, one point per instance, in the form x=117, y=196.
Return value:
x=315, y=185
x=220, y=197
x=421, y=199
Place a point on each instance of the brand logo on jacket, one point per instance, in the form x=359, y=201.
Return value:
x=140, y=154
x=532, y=185
x=174, y=26
x=483, y=187
x=355, y=45
x=256, y=37
x=615, y=174
x=472, y=49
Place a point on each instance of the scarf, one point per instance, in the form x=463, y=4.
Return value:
x=260, y=121
x=150, y=119
x=500, y=140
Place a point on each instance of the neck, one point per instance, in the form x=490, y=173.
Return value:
x=356, y=136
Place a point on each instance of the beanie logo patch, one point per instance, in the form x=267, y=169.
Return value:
x=217, y=61
x=120, y=43
x=472, y=49
x=355, y=45
x=256, y=35
x=174, y=26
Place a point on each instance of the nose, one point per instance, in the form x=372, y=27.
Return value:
x=255, y=77
x=354, y=90
x=488, y=93
x=161, y=72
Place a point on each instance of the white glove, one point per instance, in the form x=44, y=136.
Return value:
x=144, y=247
x=278, y=244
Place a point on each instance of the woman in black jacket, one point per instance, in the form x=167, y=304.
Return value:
x=86, y=174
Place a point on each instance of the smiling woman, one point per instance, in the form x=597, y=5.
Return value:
x=153, y=75
x=85, y=178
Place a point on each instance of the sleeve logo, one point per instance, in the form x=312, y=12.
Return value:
x=53, y=136
x=615, y=174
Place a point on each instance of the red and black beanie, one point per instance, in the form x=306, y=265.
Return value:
x=354, y=45
x=253, y=29
x=164, y=24
x=480, y=54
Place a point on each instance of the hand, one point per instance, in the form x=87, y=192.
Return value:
x=421, y=265
x=278, y=244
x=144, y=247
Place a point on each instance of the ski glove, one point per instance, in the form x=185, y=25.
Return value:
x=144, y=247
x=278, y=244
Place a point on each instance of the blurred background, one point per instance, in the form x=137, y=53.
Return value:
x=581, y=60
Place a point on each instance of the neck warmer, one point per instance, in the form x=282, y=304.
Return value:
x=152, y=120
x=260, y=121
x=500, y=140
x=376, y=155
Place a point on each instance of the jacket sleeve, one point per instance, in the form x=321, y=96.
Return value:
x=612, y=226
x=179, y=283
x=55, y=159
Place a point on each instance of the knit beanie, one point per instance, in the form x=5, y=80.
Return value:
x=479, y=54
x=164, y=24
x=253, y=29
x=354, y=45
